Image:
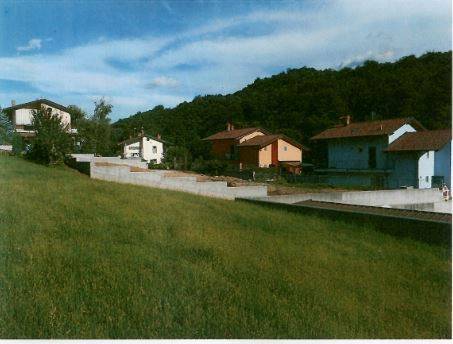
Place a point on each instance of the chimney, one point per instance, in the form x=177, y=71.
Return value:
x=230, y=126
x=158, y=136
x=346, y=120
x=13, y=103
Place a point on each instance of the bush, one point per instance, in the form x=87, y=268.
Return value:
x=81, y=166
x=52, y=142
x=177, y=157
x=161, y=166
x=211, y=167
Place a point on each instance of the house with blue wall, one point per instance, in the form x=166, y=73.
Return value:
x=356, y=152
x=421, y=159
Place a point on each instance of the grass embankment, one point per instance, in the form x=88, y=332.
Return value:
x=85, y=258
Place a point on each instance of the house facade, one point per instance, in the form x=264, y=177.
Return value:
x=144, y=147
x=421, y=159
x=270, y=150
x=356, y=152
x=21, y=116
x=256, y=147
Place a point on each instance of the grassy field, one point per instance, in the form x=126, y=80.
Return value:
x=88, y=259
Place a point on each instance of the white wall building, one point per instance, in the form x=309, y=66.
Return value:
x=422, y=159
x=21, y=115
x=144, y=147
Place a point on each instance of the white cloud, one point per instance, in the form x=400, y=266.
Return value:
x=163, y=81
x=210, y=59
x=33, y=44
x=369, y=55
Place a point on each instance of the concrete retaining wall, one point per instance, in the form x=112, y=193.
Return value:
x=433, y=232
x=110, y=160
x=376, y=198
x=83, y=157
x=159, y=179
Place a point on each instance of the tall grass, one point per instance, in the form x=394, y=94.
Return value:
x=81, y=258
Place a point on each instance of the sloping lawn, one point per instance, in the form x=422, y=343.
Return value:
x=92, y=259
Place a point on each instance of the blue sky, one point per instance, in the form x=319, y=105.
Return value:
x=139, y=54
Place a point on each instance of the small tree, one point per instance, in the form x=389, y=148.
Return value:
x=77, y=115
x=178, y=157
x=8, y=135
x=52, y=141
x=95, y=132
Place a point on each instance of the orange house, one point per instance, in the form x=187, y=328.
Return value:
x=256, y=147
x=225, y=143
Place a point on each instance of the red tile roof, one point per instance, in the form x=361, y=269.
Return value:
x=264, y=140
x=421, y=141
x=372, y=128
x=233, y=134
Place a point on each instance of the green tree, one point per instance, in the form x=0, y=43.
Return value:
x=8, y=135
x=52, y=141
x=177, y=157
x=77, y=115
x=95, y=133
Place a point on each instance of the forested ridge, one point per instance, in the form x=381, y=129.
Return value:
x=302, y=102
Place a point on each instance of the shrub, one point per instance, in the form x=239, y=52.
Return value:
x=161, y=166
x=211, y=167
x=177, y=157
x=52, y=142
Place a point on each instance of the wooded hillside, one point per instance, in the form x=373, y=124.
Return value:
x=302, y=102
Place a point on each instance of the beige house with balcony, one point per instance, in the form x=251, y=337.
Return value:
x=21, y=115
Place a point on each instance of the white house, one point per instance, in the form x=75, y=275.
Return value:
x=21, y=115
x=421, y=159
x=145, y=147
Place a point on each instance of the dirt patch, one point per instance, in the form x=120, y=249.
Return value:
x=180, y=174
x=231, y=181
x=132, y=168
x=139, y=169
x=106, y=164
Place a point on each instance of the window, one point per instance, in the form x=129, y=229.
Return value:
x=360, y=149
x=285, y=148
x=154, y=149
x=427, y=155
x=427, y=179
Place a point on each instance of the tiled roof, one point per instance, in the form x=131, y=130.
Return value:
x=421, y=141
x=264, y=140
x=37, y=102
x=233, y=134
x=372, y=128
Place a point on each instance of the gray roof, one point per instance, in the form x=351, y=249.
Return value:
x=38, y=102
